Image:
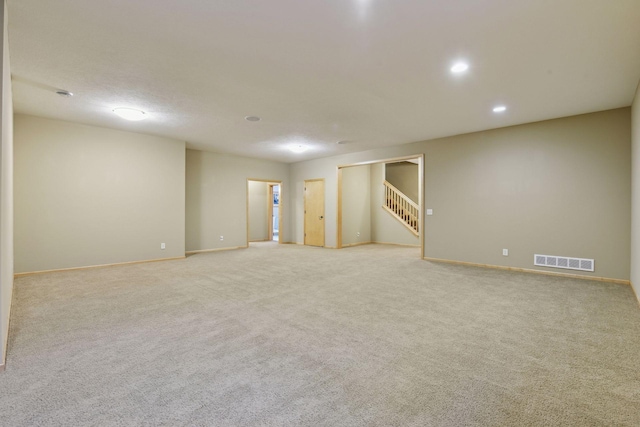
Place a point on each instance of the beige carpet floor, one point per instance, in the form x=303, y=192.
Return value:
x=297, y=336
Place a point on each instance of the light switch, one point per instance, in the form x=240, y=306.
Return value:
x=429, y=211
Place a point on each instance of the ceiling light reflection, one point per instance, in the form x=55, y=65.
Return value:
x=459, y=67
x=298, y=148
x=130, y=114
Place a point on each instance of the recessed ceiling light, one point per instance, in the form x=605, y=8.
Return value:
x=130, y=114
x=499, y=109
x=298, y=148
x=459, y=67
x=252, y=118
x=64, y=93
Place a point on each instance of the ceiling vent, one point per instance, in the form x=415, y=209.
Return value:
x=582, y=264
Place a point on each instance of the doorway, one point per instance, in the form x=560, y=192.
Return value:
x=274, y=212
x=314, y=212
x=399, y=213
x=264, y=210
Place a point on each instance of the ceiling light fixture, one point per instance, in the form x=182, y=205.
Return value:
x=65, y=93
x=130, y=114
x=252, y=118
x=499, y=109
x=459, y=67
x=298, y=148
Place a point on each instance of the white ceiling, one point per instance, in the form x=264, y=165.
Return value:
x=371, y=72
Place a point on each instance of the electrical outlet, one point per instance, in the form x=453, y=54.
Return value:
x=358, y=234
x=163, y=246
x=429, y=211
x=221, y=238
x=505, y=252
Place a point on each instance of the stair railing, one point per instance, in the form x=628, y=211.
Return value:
x=403, y=208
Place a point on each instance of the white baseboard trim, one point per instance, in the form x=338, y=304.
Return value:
x=97, y=266
x=528, y=270
x=202, y=251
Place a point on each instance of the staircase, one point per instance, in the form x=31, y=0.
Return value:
x=400, y=206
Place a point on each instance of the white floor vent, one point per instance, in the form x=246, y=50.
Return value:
x=564, y=262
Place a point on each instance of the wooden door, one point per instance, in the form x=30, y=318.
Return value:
x=314, y=212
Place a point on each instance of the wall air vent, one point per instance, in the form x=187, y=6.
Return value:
x=564, y=262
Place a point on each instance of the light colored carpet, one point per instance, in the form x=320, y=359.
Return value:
x=297, y=336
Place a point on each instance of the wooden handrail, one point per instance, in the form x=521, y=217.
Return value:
x=403, y=208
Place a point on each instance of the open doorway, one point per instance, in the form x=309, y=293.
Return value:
x=274, y=212
x=381, y=201
x=264, y=210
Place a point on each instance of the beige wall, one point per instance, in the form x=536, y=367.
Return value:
x=86, y=195
x=258, y=211
x=6, y=191
x=635, y=185
x=403, y=176
x=558, y=187
x=356, y=205
x=385, y=228
x=217, y=198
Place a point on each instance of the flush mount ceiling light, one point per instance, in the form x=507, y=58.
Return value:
x=252, y=118
x=499, y=109
x=64, y=93
x=130, y=114
x=298, y=148
x=459, y=67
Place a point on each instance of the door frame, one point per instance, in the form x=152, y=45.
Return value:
x=420, y=158
x=270, y=182
x=324, y=208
